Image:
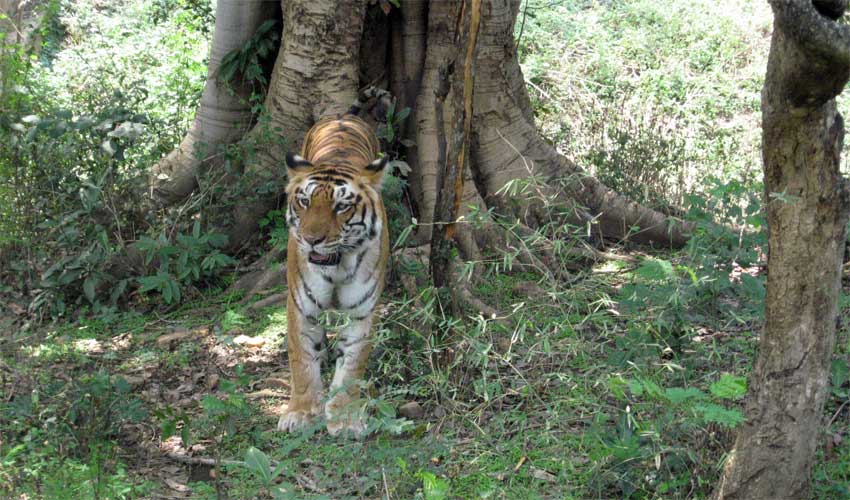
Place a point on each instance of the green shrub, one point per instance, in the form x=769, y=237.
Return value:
x=81, y=125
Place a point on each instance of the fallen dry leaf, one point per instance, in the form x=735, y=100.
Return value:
x=542, y=475
x=249, y=341
x=276, y=383
x=265, y=393
x=271, y=300
x=16, y=309
x=411, y=410
x=176, y=485
x=212, y=381
x=182, y=334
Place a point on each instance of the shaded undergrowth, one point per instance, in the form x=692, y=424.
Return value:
x=626, y=383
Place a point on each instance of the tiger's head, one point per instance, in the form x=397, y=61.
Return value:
x=333, y=209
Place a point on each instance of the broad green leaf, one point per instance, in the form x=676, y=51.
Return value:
x=652, y=389
x=677, y=395
x=753, y=287
x=401, y=115
x=167, y=428
x=149, y=283
x=435, y=488
x=711, y=412
x=839, y=373
x=185, y=434
x=89, y=288
x=121, y=385
x=277, y=470
x=166, y=293
x=655, y=270
x=118, y=291
x=386, y=409
x=175, y=290
x=635, y=386
x=258, y=462
x=729, y=387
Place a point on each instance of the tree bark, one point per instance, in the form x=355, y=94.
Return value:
x=315, y=75
x=423, y=179
x=224, y=114
x=456, y=161
x=808, y=203
x=508, y=147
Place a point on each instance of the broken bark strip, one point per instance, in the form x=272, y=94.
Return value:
x=449, y=195
x=808, y=204
x=440, y=246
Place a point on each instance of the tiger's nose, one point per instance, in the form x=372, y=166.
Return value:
x=313, y=240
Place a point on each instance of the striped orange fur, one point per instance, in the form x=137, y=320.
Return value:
x=336, y=259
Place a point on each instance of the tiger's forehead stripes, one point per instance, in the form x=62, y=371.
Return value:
x=339, y=191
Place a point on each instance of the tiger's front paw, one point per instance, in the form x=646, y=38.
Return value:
x=352, y=425
x=344, y=417
x=294, y=420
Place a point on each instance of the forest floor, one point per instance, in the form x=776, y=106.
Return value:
x=626, y=382
x=573, y=393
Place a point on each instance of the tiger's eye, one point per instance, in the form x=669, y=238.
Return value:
x=304, y=202
x=342, y=208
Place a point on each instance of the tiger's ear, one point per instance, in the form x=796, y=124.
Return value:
x=375, y=170
x=295, y=163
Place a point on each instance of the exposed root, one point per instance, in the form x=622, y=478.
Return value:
x=463, y=299
x=467, y=246
x=525, y=255
x=266, y=272
x=276, y=299
x=466, y=300
x=223, y=114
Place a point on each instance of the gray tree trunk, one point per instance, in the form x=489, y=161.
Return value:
x=316, y=73
x=224, y=115
x=807, y=209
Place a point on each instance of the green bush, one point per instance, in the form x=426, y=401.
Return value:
x=80, y=128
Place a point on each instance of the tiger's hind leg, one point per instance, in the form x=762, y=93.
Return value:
x=344, y=410
x=306, y=348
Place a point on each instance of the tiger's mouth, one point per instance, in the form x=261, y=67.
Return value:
x=323, y=260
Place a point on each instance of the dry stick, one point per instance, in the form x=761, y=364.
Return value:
x=386, y=486
x=186, y=459
x=837, y=412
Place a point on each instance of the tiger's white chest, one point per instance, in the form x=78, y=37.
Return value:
x=352, y=286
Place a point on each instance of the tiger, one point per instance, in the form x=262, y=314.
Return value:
x=336, y=259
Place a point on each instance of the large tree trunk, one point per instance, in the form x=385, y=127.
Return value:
x=807, y=209
x=507, y=145
x=224, y=114
x=317, y=73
